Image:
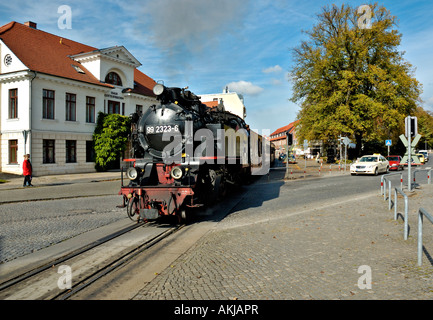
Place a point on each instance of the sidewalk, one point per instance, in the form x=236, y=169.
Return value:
x=16, y=181
x=58, y=186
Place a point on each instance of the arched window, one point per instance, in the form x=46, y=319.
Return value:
x=113, y=78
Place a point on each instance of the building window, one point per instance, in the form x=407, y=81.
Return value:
x=48, y=104
x=90, y=151
x=71, y=151
x=48, y=151
x=113, y=78
x=139, y=109
x=90, y=109
x=71, y=102
x=13, y=151
x=13, y=103
x=113, y=107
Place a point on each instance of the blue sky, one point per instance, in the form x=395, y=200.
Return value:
x=210, y=44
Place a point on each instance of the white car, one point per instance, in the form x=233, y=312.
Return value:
x=370, y=164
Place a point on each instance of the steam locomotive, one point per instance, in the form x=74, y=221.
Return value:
x=185, y=155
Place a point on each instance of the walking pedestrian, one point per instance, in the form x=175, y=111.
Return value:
x=27, y=171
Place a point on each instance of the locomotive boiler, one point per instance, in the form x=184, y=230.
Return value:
x=185, y=155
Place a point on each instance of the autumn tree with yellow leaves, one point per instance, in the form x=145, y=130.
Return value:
x=350, y=78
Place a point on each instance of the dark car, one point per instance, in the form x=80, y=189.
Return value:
x=395, y=163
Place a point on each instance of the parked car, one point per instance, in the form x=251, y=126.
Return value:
x=370, y=164
x=425, y=154
x=421, y=157
x=291, y=159
x=413, y=163
x=395, y=163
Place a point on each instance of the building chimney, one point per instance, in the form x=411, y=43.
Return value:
x=31, y=24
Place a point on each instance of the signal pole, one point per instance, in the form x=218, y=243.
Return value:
x=289, y=140
x=409, y=159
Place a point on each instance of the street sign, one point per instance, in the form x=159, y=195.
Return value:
x=415, y=141
x=388, y=143
x=346, y=141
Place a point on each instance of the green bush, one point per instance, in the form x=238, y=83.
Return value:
x=110, y=139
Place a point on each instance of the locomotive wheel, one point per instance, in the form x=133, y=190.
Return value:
x=212, y=188
x=184, y=216
x=222, y=187
x=133, y=208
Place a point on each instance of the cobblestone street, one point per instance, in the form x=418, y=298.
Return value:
x=31, y=226
x=302, y=253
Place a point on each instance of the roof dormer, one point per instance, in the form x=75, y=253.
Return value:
x=115, y=64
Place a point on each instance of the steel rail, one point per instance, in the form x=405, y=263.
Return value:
x=28, y=274
x=114, y=265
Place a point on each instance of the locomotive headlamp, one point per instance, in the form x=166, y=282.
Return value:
x=176, y=173
x=132, y=173
x=158, y=89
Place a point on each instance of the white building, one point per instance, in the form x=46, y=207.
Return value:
x=232, y=101
x=51, y=90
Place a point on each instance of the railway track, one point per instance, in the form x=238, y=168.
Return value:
x=86, y=265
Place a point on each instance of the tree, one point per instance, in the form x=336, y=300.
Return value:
x=352, y=81
x=110, y=139
x=425, y=127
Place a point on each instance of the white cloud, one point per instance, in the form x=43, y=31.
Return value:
x=274, y=69
x=189, y=24
x=276, y=82
x=244, y=87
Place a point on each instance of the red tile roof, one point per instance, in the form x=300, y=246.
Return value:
x=290, y=128
x=47, y=53
x=143, y=84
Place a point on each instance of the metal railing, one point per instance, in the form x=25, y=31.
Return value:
x=383, y=180
x=421, y=212
x=340, y=170
x=428, y=175
x=406, y=210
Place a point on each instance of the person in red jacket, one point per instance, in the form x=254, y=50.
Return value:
x=27, y=171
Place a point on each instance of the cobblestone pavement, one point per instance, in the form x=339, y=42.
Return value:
x=304, y=253
x=271, y=252
x=27, y=226
x=31, y=226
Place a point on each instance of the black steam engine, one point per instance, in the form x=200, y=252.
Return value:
x=181, y=157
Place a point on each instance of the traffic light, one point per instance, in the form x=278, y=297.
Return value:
x=412, y=121
x=289, y=138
